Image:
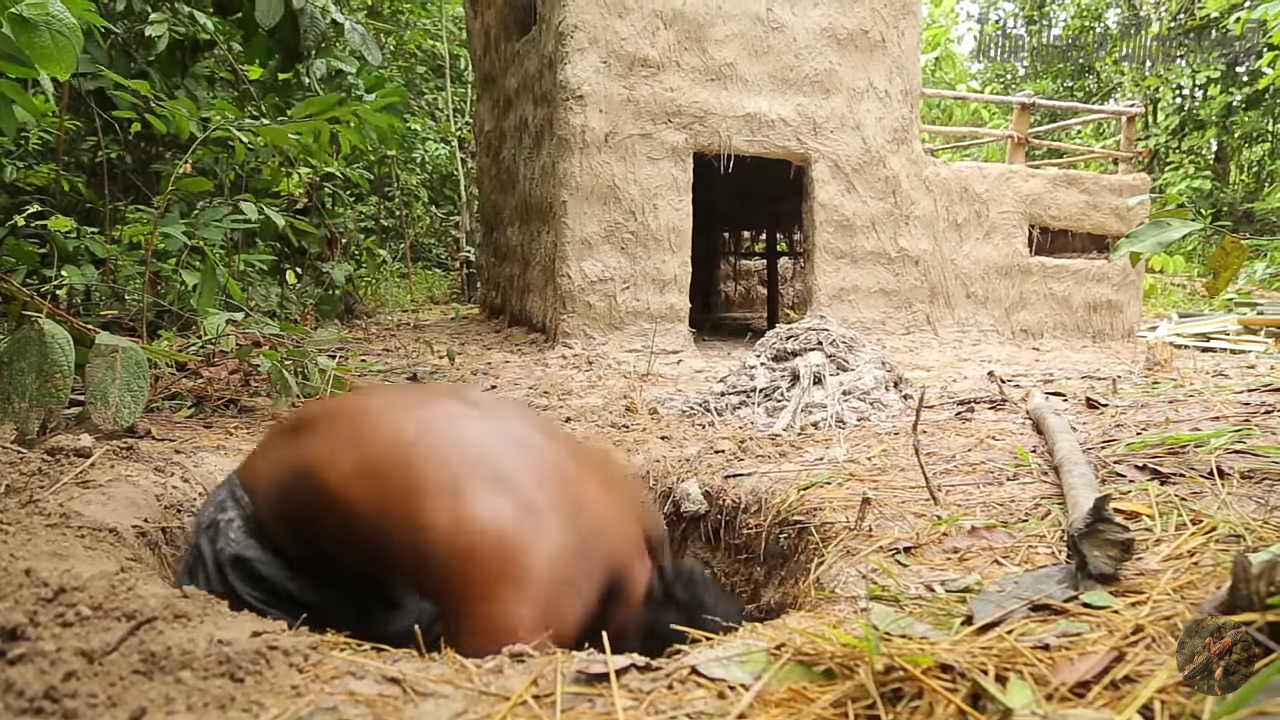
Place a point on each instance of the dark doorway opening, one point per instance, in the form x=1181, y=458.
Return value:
x=1054, y=242
x=748, y=258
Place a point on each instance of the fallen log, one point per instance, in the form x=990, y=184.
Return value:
x=1097, y=541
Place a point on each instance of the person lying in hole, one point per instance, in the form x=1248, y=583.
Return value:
x=435, y=514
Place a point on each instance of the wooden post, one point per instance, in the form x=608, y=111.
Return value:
x=772, y=291
x=1128, y=141
x=1020, y=123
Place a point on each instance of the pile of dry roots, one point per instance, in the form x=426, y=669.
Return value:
x=812, y=373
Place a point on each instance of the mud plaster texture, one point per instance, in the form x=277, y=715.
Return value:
x=586, y=129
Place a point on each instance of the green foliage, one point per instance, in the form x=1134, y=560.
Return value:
x=1153, y=236
x=167, y=166
x=1209, y=131
x=117, y=382
x=1224, y=264
x=37, y=366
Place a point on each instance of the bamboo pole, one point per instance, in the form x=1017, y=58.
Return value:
x=1039, y=130
x=1020, y=124
x=1128, y=141
x=994, y=135
x=967, y=131
x=1055, y=162
x=1073, y=122
x=961, y=144
x=773, y=289
x=1127, y=110
x=1069, y=147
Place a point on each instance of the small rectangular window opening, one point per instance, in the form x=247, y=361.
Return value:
x=1053, y=242
x=748, y=260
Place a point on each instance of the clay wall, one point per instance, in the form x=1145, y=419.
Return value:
x=891, y=232
x=516, y=81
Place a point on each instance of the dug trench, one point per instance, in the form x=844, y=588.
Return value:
x=91, y=627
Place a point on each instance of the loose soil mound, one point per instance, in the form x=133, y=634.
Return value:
x=812, y=373
x=89, y=628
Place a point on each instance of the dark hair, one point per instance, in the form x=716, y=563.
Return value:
x=684, y=593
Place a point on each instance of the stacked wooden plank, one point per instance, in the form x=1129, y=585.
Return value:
x=1253, y=326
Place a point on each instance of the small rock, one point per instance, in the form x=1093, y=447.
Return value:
x=690, y=502
x=68, y=446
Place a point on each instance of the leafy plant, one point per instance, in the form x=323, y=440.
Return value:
x=37, y=366
x=117, y=382
x=166, y=165
x=1208, y=130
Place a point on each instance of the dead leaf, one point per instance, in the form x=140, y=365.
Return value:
x=962, y=584
x=1013, y=596
x=1141, y=471
x=900, y=545
x=890, y=621
x=1133, y=508
x=1061, y=631
x=743, y=662
x=1095, y=403
x=598, y=664
x=525, y=650
x=1082, y=668
x=977, y=537
x=1100, y=599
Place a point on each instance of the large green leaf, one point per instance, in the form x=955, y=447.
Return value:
x=48, y=33
x=13, y=61
x=315, y=105
x=268, y=13
x=1153, y=236
x=362, y=42
x=19, y=96
x=1224, y=264
x=8, y=121
x=207, y=287
x=37, y=365
x=313, y=25
x=117, y=382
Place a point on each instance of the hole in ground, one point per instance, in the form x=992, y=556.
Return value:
x=767, y=561
x=768, y=567
x=163, y=542
x=748, y=257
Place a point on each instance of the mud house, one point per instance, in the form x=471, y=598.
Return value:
x=625, y=146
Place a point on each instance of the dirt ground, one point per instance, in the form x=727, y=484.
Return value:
x=90, y=627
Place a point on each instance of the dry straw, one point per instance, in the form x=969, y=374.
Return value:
x=839, y=523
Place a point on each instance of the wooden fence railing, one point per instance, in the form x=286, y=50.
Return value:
x=1020, y=134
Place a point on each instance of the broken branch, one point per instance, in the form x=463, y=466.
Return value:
x=1097, y=541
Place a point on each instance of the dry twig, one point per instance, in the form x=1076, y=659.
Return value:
x=915, y=446
x=72, y=475
x=120, y=639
